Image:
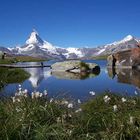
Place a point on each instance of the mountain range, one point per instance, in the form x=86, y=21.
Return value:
x=37, y=47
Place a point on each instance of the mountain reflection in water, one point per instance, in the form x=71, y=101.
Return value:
x=37, y=75
x=78, y=85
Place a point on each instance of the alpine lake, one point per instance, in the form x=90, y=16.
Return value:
x=125, y=82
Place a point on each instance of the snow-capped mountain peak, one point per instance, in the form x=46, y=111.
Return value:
x=126, y=43
x=76, y=51
x=48, y=47
x=34, y=38
x=37, y=47
x=128, y=38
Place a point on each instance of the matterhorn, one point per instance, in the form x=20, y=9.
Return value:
x=37, y=47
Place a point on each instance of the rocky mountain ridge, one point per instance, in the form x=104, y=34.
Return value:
x=37, y=47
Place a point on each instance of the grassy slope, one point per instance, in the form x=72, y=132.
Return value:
x=103, y=57
x=6, y=61
x=29, y=59
x=10, y=60
x=40, y=119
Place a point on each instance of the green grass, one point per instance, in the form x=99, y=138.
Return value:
x=38, y=119
x=28, y=59
x=10, y=60
x=103, y=57
x=84, y=66
x=6, y=61
x=9, y=76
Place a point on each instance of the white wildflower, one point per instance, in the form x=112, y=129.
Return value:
x=40, y=94
x=79, y=101
x=66, y=102
x=45, y=92
x=69, y=115
x=16, y=94
x=14, y=100
x=58, y=120
x=92, y=93
x=123, y=100
x=131, y=120
x=122, y=125
x=19, y=88
x=25, y=91
x=33, y=95
x=18, y=100
x=115, y=108
x=46, y=104
x=106, y=98
x=56, y=102
x=51, y=100
x=19, y=85
x=25, y=95
x=136, y=93
x=78, y=110
x=20, y=92
x=87, y=135
x=18, y=109
x=70, y=105
x=37, y=94
x=70, y=132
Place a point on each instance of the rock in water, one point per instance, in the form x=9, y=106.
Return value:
x=73, y=66
x=136, y=57
x=111, y=60
x=125, y=59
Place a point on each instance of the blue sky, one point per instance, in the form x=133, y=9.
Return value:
x=69, y=23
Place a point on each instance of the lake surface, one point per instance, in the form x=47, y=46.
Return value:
x=125, y=82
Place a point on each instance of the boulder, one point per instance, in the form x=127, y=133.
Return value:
x=111, y=60
x=135, y=57
x=125, y=59
x=74, y=66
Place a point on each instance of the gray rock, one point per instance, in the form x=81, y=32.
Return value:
x=111, y=60
x=72, y=66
